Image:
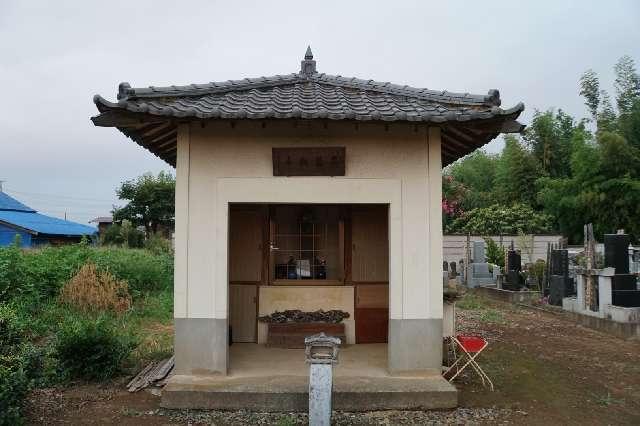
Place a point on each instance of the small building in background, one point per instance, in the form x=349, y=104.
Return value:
x=103, y=223
x=36, y=229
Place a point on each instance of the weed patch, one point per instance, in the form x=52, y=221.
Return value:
x=471, y=302
x=91, y=349
x=492, y=316
x=91, y=291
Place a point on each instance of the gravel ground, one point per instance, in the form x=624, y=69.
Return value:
x=454, y=417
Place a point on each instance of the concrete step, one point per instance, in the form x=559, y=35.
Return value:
x=290, y=393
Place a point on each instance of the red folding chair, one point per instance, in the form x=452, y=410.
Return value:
x=470, y=347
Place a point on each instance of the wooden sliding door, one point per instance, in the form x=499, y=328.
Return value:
x=246, y=247
x=370, y=272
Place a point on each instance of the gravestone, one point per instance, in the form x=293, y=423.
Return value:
x=560, y=284
x=479, y=255
x=463, y=272
x=624, y=288
x=616, y=252
x=480, y=273
x=452, y=269
x=514, y=266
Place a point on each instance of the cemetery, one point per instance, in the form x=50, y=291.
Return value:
x=596, y=284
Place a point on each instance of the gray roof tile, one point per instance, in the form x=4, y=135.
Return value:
x=309, y=95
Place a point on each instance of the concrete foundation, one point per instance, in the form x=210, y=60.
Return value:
x=615, y=320
x=277, y=380
x=509, y=295
x=415, y=346
x=201, y=345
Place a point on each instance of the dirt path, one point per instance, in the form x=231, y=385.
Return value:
x=546, y=369
x=557, y=372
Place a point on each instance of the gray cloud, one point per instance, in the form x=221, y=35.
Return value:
x=54, y=56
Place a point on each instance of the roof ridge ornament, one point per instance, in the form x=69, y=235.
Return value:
x=308, y=65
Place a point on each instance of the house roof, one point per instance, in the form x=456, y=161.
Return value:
x=102, y=219
x=8, y=203
x=150, y=115
x=16, y=214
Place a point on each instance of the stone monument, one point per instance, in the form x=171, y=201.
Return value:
x=513, y=267
x=624, y=288
x=479, y=273
x=561, y=285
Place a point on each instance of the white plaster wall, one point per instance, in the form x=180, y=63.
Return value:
x=307, y=298
x=453, y=245
x=378, y=159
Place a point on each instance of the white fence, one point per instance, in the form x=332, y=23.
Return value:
x=454, y=245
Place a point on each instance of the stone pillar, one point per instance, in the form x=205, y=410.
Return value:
x=201, y=334
x=415, y=333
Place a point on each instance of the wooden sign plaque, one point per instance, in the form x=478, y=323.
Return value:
x=320, y=161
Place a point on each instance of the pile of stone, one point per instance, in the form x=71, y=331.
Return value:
x=334, y=316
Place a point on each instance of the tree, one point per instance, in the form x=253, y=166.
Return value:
x=476, y=173
x=604, y=188
x=549, y=139
x=629, y=124
x=627, y=84
x=151, y=202
x=607, y=119
x=516, y=174
x=590, y=90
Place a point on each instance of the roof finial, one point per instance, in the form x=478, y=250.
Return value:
x=308, y=65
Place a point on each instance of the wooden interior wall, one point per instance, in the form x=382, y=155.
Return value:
x=370, y=244
x=246, y=269
x=370, y=272
x=245, y=244
x=243, y=308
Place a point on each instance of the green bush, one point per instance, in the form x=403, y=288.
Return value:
x=9, y=331
x=502, y=220
x=14, y=385
x=11, y=272
x=20, y=365
x=124, y=235
x=38, y=275
x=91, y=349
x=47, y=269
x=158, y=245
x=495, y=253
x=143, y=270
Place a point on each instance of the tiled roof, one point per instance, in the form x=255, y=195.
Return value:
x=102, y=219
x=304, y=95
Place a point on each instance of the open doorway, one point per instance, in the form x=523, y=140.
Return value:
x=309, y=257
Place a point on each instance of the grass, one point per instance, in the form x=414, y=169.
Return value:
x=286, y=421
x=607, y=400
x=492, y=316
x=472, y=302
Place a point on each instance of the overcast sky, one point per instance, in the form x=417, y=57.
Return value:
x=54, y=56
